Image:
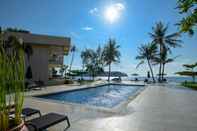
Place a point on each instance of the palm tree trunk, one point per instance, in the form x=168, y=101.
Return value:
x=152, y=74
x=71, y=62
x=82, y=71
x=109, y=73
x=193, y=77
x=163, y=71
x=160, y=64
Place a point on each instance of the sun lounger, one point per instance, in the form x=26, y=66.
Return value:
x=46, y=121
x=34, y=85
x=27, y=112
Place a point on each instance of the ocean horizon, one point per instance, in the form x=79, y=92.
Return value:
x=174, y=79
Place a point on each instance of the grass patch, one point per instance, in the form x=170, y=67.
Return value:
x=192, y=85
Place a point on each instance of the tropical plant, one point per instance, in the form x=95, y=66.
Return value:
x=111, y=54
x=12, y=81
x=164, y=41
x=190, y=66
x=163, y=60
x=147, y=53
x=190, y=71
x=92, y=61
x=63, y=69
x=72, y=50
x=85, y=56
x=54, y=72
x=189, y=9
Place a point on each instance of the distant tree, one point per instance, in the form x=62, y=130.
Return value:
x=85, y=56
x=111, y=54
x=164, y=41
x=147, y=53
x=54, y=72
x=72, y=50
x=190, y=71
x=190, y=66
x=189, y=9
x=163, y=59
x=63, y=69
x=92, y=61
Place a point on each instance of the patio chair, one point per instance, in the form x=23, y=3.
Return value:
x=46, y=121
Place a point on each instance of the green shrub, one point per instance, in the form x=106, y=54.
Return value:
x=11, y=82
x=192, y=85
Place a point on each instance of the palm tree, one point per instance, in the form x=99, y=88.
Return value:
x=111, y=54
x=164, y=40
x=63, y=69
x=92, y=61
x=72, y=50
x=189, y=71
x=85, y=55
x=147, y=53
x=163, y=60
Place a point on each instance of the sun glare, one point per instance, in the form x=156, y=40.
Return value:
x=113, y=12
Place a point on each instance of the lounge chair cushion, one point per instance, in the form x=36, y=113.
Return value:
x=45, y=121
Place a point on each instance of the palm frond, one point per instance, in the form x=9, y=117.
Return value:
x=142, y=62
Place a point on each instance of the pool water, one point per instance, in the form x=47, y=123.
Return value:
x=104, y=96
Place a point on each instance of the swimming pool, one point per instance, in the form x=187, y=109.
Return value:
x=108, y=95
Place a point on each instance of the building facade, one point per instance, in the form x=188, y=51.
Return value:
x=48, y=53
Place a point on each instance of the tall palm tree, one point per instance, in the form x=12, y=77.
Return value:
x=100, y=56
x=85, y=55
x=164, y=40
x=72, y=50
x=111, y=54
x=92, y=61
x=147, y=53
x=163, y=60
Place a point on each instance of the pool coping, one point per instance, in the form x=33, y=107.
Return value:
x=116, y=109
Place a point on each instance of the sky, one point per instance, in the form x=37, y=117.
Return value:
x=91, y=23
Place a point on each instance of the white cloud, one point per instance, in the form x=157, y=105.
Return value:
x=87, y=28
x=93, y=11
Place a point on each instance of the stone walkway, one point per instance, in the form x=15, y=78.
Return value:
x=157, y=108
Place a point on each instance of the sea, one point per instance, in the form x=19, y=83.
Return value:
x=170, y=79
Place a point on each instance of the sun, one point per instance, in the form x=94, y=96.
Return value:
x=113, y=12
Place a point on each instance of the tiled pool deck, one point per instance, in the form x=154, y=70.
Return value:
x=157, y=108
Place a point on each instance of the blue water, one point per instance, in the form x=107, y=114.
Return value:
x=169, y=79
x=103, y=96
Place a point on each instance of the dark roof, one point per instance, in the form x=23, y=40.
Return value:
x=40, y=39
